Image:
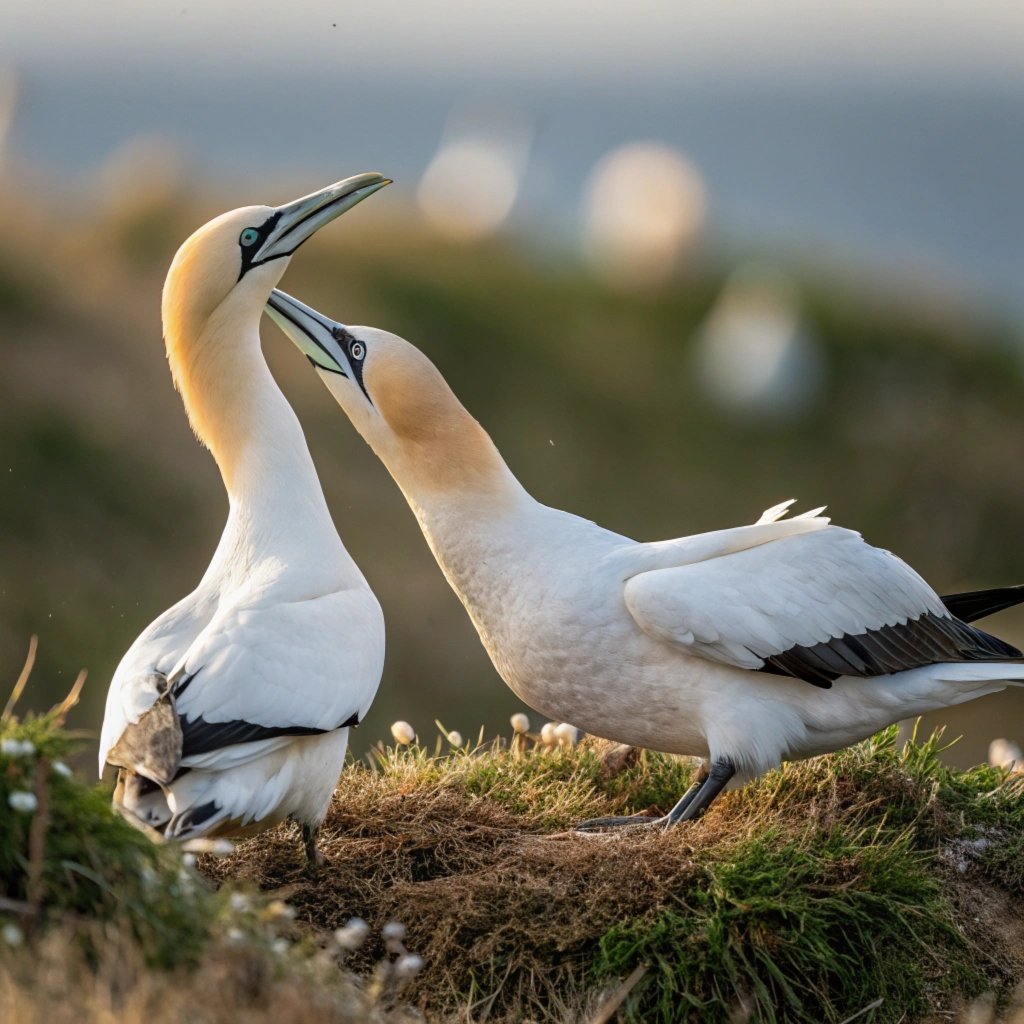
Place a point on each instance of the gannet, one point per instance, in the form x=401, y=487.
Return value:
x=745, y=647
x=231, y=711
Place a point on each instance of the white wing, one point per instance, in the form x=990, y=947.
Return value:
x=262, y=673
x=817, y=603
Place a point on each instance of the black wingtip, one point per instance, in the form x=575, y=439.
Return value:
x=976, y=604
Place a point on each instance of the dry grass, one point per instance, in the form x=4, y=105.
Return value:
x=54, y=983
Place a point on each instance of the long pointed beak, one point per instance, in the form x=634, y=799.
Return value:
x=316, y=336
x=299, y=220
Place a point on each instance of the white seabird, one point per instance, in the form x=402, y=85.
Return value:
x=747, y=646
x=231, y=711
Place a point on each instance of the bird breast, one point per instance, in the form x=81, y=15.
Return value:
x=545, y=596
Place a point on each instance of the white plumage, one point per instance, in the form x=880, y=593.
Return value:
x=783, y=639
x=231, y=711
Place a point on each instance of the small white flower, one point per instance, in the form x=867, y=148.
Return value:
x=216, y=847
x=403, y=733
x=455, y=738
x=520, y=723
x=566, y=734
x=353, y=934
x=21, y=800
x=240, y=902
x=61, y=769
x=12, y=935
x=17, y=748
x=408, y=966
x=280, y=946
x=393, y=931
x=547, y=734
x=1006, y=754
x=188, y=859
x=236, y=936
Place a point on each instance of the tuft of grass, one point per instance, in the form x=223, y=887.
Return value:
x=66, y=859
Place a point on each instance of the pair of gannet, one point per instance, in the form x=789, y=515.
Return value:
x=231, y=711
x=779, y=640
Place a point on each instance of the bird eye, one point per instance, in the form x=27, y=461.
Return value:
x=357, y=350
x=250, y=236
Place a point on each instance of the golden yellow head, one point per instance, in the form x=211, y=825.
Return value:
x=221, y=277
x=398, y=400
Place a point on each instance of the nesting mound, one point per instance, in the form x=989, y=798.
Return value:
x=875, y=873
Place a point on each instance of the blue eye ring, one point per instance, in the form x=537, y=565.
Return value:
x=357, y=350
x=250, y=236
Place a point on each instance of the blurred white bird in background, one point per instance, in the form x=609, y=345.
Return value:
x=779, y=640
x=231, y=711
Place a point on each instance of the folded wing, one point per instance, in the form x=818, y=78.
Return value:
x=814, y=604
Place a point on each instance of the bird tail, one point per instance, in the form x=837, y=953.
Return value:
x=976, y=604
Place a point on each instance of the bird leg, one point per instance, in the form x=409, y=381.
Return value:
x=314, y=858
x=695, y=803
x=708, y=783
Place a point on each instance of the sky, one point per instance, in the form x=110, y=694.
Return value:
x=609, y=41
x=886, y=131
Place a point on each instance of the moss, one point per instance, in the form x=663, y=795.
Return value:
x=71, y=860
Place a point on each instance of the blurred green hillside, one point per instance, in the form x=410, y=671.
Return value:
x=110, y=510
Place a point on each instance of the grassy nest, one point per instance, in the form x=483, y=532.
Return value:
x=877, y=873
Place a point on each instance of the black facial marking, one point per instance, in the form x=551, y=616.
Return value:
x=249, y=251
x=347, y=340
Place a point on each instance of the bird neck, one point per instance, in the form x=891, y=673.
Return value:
x=454, y=479
x=238, y=411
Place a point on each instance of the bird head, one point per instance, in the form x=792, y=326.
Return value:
x=239, y=256
x=393, y=394
x=222, y=274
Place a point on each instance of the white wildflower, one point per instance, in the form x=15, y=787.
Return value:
x=17, y=748
x=566, y=734
x=408, y=966
x=188, y=859
x=12, y=934
x=520, y=723
x=1006, y=754
x=216, y=847
x=455, y=738
x=22, y=800
x=280, y=946
x=547, y=734
x=236, y=936
x=240, y=903
x=403, y=733
x=60, y=768
x=393, y=931
x=353, y=934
